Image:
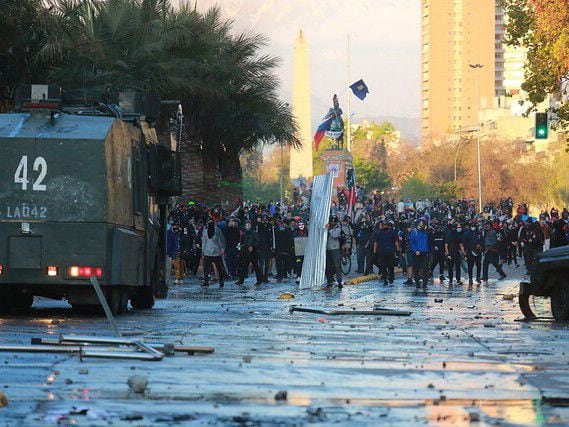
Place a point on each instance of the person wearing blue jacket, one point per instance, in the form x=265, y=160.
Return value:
x=421, y=248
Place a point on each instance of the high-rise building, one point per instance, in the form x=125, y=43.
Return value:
x=301, y=159
x=455, y=35
x=510, y=60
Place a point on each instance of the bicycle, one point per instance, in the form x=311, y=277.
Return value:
x=346, y=264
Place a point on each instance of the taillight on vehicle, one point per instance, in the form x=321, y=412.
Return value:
x=85, y=271
x=52, y=271
x=1, y=269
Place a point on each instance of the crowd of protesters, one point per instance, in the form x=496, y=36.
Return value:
x=427, y=239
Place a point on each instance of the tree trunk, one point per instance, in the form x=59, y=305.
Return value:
x=211, y=175
x=193, y=186
x=231, y=176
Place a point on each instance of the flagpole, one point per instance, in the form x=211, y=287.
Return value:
x=348, y=96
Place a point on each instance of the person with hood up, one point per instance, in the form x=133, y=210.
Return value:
x=491, y=252
x=333, y=253
x=472, y=244
x=213, y=247
x=232, y=236
x=300, y=232
x=421, y=248
x=284, y=247
x=265, y=231
x=248, y=254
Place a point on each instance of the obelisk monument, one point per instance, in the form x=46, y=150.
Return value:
x=301, y=159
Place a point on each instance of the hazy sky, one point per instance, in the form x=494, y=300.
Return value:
x=385, y=40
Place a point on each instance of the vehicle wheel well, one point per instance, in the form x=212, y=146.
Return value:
x=552, y=276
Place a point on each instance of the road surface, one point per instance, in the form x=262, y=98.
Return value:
x=461, y=358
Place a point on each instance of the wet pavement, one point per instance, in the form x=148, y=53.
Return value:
x=461, y=358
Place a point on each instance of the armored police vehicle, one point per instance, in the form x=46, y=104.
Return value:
x=83, y=192
x=549, y=278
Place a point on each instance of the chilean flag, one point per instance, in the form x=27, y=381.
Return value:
x=322, y=129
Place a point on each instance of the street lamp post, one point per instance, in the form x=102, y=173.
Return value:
x=476, y=67
x=456, y=158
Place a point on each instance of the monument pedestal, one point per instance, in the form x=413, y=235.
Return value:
x=338, y=162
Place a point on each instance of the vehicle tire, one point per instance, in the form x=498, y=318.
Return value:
x=525, y=307
x=20, y=302
x=4, y=302
x=143, y=299
x=113, y=296
x=560, y=299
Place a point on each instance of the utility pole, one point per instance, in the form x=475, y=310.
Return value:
x=476, y=67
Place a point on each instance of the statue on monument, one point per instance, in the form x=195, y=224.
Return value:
x=336, y=131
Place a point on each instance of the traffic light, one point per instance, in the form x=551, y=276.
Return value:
x=541, y=126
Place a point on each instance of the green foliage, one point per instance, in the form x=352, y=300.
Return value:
x=543, y=27
x=373, y=131
x=371, y=176
x=417, y=187
x=258, y=185
x=22, y=34
x=228, y=89
x=256, y=191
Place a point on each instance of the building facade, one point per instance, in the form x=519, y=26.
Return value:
x=510, y=60
x=455, y=35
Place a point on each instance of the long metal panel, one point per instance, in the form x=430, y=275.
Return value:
x=314, y=266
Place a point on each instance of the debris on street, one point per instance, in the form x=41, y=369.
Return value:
x=3, y=400
x=354, y=312
x=138, y=383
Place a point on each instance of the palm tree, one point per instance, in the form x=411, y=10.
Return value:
x=228, y=90
x=18, y=48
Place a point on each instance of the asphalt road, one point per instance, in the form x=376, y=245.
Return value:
x=461, y=358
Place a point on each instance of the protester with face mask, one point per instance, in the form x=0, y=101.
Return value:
x=420, y=246
x=512, y=242
x=301, y=232
x=438, y=240
x=491, y=254
x=453, y=250
x=559, y=234
x=406, y=253
x=213, y=248
x=265, y=232
x=232, y=236
x=363, y=237
x=248, y=254
x=333, y=252
x=386, y=244
x=284, y=248
x=472, y=244
x=216, y=214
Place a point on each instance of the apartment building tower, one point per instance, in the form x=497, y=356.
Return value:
x=455, y=35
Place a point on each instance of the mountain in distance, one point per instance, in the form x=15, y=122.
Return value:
x=410, y=127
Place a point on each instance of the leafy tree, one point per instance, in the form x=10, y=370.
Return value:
x=543, y=27
x=371, y=175
x=417, y=188
x=22, y=34
x=227, y=88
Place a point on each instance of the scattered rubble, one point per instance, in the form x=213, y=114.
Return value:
x=3, y=400
x=138, y=383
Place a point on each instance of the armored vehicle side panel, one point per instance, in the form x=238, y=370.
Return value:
x=73, y=195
